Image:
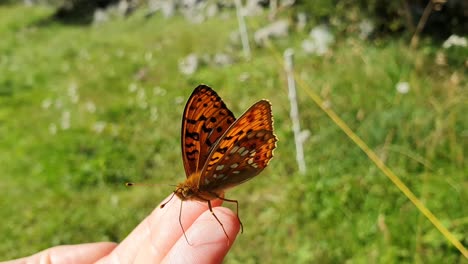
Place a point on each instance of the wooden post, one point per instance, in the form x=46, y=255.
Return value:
x=242, y=30
x=294, y=113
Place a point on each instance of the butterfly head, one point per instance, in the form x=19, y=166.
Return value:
x=184, y=192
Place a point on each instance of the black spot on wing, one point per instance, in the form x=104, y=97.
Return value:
x=206, y=129
x=194, y=135
x=222, y=150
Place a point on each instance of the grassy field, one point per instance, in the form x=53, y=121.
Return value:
x=85, y=109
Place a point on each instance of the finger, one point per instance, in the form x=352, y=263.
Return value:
x=158, y=232
x=83, y=253
x=208, y=241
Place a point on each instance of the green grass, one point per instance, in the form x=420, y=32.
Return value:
x=63, y=183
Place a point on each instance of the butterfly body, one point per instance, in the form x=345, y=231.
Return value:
x=188, y=190
x=220, y=151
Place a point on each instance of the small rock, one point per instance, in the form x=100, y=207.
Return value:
x=276, y=29
x=222, y=59
x=320, y=38
x=455, y=40
x=366, y=27
x=212, y=10
x=100, y=16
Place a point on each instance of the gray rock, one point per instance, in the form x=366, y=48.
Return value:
x=212, y=10
x=319, y=41
x=166, y=7
x=276, y=29
x=366, y=27
x=100, y=16
x=252, y=8
x=222, y=59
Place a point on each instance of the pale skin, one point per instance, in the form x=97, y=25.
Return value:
x=157, y=239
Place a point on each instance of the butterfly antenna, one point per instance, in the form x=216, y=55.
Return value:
x=180, y=222
x=164, y=204
x=131, y=184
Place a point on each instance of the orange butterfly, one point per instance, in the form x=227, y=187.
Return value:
x=219, y=151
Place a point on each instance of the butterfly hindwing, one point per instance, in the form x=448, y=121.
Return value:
x=243, y=151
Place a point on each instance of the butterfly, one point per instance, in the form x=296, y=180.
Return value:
x=220, y=151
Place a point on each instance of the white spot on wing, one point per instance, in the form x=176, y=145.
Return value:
x=234, y=149
x=233, y=166
x=219, y=167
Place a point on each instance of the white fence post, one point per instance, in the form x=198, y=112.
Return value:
x=294, y=113
x=242, y=30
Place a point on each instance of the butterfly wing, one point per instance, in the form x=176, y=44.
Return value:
x=205, y=119
x=242, y=152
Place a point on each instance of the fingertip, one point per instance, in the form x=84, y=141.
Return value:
x=208, y=242
x=229, y=223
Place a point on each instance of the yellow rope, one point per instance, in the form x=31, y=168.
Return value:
x=371, y=154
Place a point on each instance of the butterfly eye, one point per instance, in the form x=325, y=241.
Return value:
x=186, y=192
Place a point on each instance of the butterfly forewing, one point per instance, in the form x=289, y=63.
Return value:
x=242, y=152
x=205, y=120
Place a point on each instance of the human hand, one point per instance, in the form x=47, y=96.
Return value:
x=158, y=239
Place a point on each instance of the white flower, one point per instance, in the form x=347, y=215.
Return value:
x=222, y=59
x=189, y=64
x=99, y=126
x=243, y=77
x=304, y=135
x=73, y=93
x=114, y=200
x=403, y=87
x=100, y=16
x=366, y=27
x=58, y=103
x=154, y=114
x=179, y=100
x=132, y=87
x=90, y=107
x=148, y=56
x=158, y=91
x=53, y=129
x=65, y=120
x=46, y=103
x=141, y=98
x=327, y=104
x=455, y=40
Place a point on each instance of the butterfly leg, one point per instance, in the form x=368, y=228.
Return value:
x=222, y=226
x=237, y=210
x=180, y=222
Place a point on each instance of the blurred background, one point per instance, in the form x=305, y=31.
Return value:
x=92, y=94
